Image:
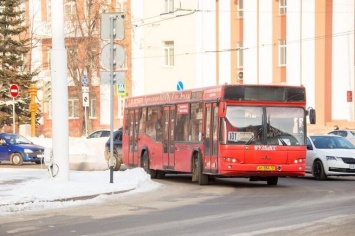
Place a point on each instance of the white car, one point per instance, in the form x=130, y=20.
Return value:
x=329, y=155
x=346, y=133
x=102, y=133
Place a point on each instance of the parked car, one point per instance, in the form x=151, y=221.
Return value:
x=17, y=149
x=329, y=155
x=348, y=134
x=102, y=133
x=117, y=150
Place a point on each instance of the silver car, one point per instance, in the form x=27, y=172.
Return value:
x=346, y=133
x=329, y=155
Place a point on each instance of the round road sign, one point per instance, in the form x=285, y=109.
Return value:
x=14, y=90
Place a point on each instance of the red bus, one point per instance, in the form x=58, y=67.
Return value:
x=252, y=131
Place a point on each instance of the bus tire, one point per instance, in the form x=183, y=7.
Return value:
x=272, y=180
x=145, y=166
x=202, y=178
x=160, y=174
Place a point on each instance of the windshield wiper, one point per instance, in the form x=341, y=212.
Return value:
x=257, y=133
x=282, y=141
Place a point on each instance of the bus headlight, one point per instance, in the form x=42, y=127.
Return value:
x=298, y=161
x=230, y=159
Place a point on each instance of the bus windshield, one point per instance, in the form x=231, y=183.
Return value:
x=265, y=125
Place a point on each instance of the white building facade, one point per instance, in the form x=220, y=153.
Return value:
x=209, y=42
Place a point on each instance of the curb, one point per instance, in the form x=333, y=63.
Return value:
x=87, y=197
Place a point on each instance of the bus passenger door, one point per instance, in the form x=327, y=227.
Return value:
x=168, y=138
x=133, y=138
x=211, y=137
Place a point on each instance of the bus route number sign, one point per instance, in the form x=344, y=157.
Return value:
x=240, y=136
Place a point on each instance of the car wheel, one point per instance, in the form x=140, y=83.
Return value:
x=16, y=159
x=318, y=170
x=272, y=180
x=117, y=161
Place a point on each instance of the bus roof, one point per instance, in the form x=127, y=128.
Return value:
x=272, y=93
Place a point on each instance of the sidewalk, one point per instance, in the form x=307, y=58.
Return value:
x=29, y=189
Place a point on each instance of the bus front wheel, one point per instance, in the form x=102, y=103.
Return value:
x=201, y=178
x=272, y=180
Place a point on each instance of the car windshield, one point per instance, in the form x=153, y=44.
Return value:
x=16, y=139
x=331, y=142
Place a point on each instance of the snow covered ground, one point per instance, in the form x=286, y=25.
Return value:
x=23, y=189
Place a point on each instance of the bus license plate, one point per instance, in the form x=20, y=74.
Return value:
x=265, y=168
x=352, y=167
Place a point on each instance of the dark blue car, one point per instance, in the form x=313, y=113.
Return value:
x=117, y=150
x=17, y=149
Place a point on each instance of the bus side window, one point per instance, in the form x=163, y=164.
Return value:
x=127, y=122
x=152, y=117
x=159, y=125
x=142, y=122
x=181, y=127
x=153, y=125
x=195, y=122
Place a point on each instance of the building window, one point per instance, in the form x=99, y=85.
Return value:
x=73, y=108
x=282, y=52
x=92, y=108
x=240, y=55
x=69, y=10
x=168, y=6
x=169, y=53
x=73, y=111
x=240, y=8
x=72, y=55
x=119, y=6
x=282, y=7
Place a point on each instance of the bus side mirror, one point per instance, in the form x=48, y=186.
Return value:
x=312, y=115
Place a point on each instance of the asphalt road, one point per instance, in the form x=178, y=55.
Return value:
x=296, y=206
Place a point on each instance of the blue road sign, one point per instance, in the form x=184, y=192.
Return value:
x=179, y=86
x=84, y=80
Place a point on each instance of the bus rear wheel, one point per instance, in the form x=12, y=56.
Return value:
x=145, y=166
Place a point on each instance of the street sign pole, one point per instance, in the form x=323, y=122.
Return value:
x=13, y=116
x=114, y=32
x=112, y=35
x=86, y=122
x=14, y=92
